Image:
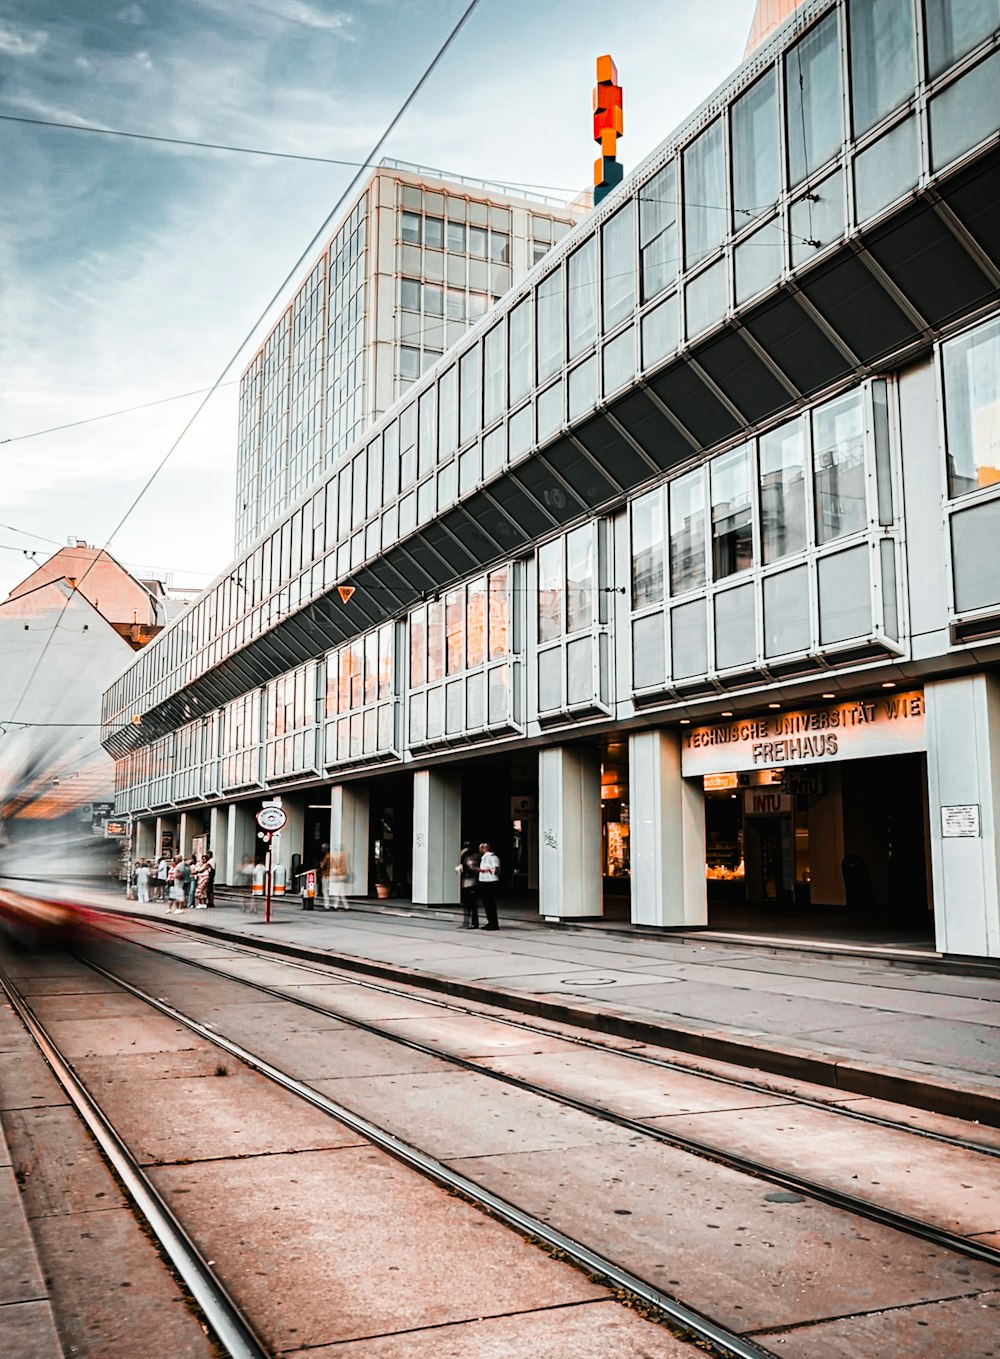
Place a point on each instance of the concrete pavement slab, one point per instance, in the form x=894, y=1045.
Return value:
x=57, y=1163
x=20, y=1275
x=593, y=1330
x=27, y=1331
x=966, y=1327
x=472, y=1035
x=333, y=1052
x=969, y=1048
x=141, y=1032
x=26, y=1083
x=318, y=1226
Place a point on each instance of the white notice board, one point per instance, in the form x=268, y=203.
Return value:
x=960, y=821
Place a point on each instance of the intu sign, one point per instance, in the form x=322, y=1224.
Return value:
x=889, y=725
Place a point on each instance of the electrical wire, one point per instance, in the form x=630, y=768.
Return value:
x=305, y=253
x=109, y=415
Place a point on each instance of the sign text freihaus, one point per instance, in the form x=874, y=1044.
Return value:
x=888, y=725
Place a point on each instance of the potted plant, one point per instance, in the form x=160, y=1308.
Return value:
x=383, y=884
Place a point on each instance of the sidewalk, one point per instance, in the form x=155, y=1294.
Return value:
x=888, y=1027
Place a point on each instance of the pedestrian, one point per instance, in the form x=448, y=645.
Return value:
x=162, y=878
x=175, y=886
x=192, y=879
x=202, y=874
x=339, y=871
x=468, y=869
x=324, y=878
x=489, y=877
x=210, y=890
x=142, y=881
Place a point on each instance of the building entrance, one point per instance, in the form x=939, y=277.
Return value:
x=843, y=842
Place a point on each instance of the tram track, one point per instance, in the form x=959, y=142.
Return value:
x=781, y=1179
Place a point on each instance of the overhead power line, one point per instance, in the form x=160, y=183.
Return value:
x=293, y=271
x=109, y=415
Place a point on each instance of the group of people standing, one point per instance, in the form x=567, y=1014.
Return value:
x=479, y=871
x=185, y=883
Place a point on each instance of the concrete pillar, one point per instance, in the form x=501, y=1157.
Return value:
x=667, y=815
x=963, y=777
x=437, y=837
x=349, y=815
x=145, y=839
x=570, y=882
x=826, y=842
x=192, y=824
x=166, y=836
x=218, y=820
x=241, y=843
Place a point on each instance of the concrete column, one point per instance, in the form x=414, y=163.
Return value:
x=826, y=842
x=349, y=816
x=166, y=825
x=217, y=841
x=963, y=777
x=145, y=839
x=667, y=814
x=437, y=837
x=192, y=824
x=241, y=843
x=570, y=881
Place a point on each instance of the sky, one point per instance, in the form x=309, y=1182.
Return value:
x=132, y=271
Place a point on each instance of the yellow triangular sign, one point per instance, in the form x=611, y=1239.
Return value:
x=345, y=592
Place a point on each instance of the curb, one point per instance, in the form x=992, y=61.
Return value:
x=979, y=1105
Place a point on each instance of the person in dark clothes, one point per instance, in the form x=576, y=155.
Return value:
x=489, y=879
x=468, y=868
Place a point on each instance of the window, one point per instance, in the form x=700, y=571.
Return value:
x=658, y=231
x=434, y=233
x=433, y=299
x=454, y=624
x=659, y=332
x=456, y=237
x=580, y=579
x=427, y=440
x=435, y=641
x=499, y=621
x=882, y=58
x=418, y=648
x=647, y=550
x=839, y=468
x=409, y=294
x=972, y=409
x=687, y=532
x=783, y=491
x=519, y=342
x=447, y=414
x=954, y=27
x=735, y=628
x=812, y=99
x=582, y=298
x=732, y=513
x=786, y=612
x=477, y=242
x=704, y=195
x=409, y=362
x=549, y=333
x=755, y=142
x=470, y=387
x=550, y=591
x=499, y=247
x=493, y=374
x=476, y=622
x=618, y=266
x=411, y=228
x=845, y=607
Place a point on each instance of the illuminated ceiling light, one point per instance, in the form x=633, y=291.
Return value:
x=774, y=705
x=727, y=714
x=685, y=721
x=888, y=684
x=828, y=695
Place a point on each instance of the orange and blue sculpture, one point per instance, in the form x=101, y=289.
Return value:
x=608, y=127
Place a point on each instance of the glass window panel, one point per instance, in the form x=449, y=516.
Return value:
x=550, y=411
x=471, y=395
x=954, y=27
x=648, y=658
x=732, y=513
x=786, y=612
x=580, y=578
x=813, y=113
x=358, y=503
x=759, y=261
x=493, y=374
x=474, y=698
x=427, y=442
x=408, y=445
x=549, y=324
x=433, y=299
x=688, y=640
x=647, y=550
x=418, y=648
x=687, y=532
x=499, y=620
x=447, y=485
x=966, y=112
x=519, y=341
x=476, y=622
x=371, y=667
x=550, y=590
x=735, y=628
x=839, y=467
x=410, y=227
x=447, y=413
x=499, y=247
x=704, y=195
x=435, y=714
x=660, y=332
x=519, y=433
x=498, y=708
x=658, y=231
x=493, y=451
x=456, y=237
x=477, y=242
x=883, y=70
x=409, y=294
x=426, y=503
x=705, y=298
x=469, y=469
x=845, y=607
x=550, y=664
x=975, y=533
x=434, y=233
x=407, y=514
x=618, y=266
x=818, y=220
x=619, y=360
x=583, y=387
x=887, y=170
x=972, y=409
x=454, y=622
x=435, y=641
x=580, y=671
x=582, y=297
x=783, y=491
x=755, y=150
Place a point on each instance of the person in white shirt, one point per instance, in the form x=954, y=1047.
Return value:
x=489, y=879
x=142, y=881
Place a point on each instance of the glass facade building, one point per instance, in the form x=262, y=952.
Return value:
x=695, y=523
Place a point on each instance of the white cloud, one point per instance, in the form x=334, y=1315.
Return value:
x=132, y=14
x=24, y=44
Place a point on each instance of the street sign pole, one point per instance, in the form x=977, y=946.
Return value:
x=271, y=819
x=267, y=879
